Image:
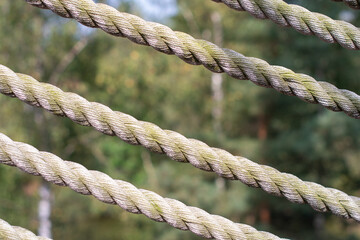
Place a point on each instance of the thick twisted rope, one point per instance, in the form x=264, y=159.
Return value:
x=351, y=3
x=176, y=146
x=302, y=20
x=8, y=232
x=124, y=194
x=202, y=52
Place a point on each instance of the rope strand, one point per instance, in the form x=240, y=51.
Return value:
x=351, y=3
x=110, y=191
x=8, y=232
x=176, y=146
x=214, y=58
x=302, y=20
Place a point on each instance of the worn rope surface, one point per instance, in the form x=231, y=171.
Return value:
x=8, y=232
x=351, y=3
x=211, y=56
x=302, y=20
x=124, y=194
x=176, y=146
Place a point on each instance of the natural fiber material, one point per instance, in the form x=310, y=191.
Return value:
x=302, y=20
x=219, y=59
x=124, y=194
x=8, y=232
x=352, y=3
x=176, y=146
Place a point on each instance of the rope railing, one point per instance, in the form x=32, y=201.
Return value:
x=8, y=232
x=176, y=146
x=302, y=20
x=110, y=191
x=218, y=59
x=351, y=3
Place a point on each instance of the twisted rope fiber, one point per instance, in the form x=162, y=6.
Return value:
x=202, y=52
x=302, y=20
x=176, y=146
x=8, y=232
x=351, y=3
x=124, y=194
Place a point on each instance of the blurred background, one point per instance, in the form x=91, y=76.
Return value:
x=260, y=124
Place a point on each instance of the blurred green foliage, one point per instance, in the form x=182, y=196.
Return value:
x=261, y=124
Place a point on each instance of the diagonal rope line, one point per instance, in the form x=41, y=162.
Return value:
x=351, y=3
x=302, y=20
x=8, y=232
x=197, y=52
x=176, y=146
x=123, y=194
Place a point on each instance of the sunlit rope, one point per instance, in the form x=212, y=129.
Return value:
x=123, y=194
x=8, y=232
x=176, y=146
x=214, y=58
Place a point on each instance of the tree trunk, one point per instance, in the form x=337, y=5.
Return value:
x=217, y=79
x=217, y=89
x=44, y=211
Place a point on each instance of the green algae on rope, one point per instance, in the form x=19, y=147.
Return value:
x=302, y=20
x=8, y=232
x=214, y=58
x=176, y=146
x=124, y=194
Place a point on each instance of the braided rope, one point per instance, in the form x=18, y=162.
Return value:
x=211, y=56
x=8, y=232
x=351, y=3
x=176, y=146
x=124, y=194
x=302, y=20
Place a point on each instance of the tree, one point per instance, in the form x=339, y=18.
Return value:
x=257, y=123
